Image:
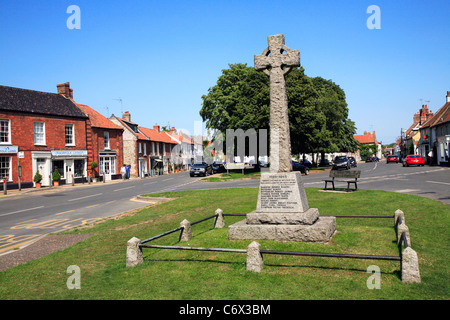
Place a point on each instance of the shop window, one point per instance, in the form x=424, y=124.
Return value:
x=58, y=164
x=79, y=168
x=5, y=168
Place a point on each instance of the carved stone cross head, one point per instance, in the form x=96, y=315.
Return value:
x=277, y=57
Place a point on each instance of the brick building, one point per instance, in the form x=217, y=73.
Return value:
x=41, y=131
x=369, y=139
x=104, y=144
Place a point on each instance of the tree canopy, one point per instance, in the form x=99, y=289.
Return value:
x=318, y=113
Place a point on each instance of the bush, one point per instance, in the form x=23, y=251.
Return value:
x=37, y=177
x=56, y=176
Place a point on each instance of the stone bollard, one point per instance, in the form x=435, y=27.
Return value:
x=399, y=215
x=410, y=266
x=186, y=232
x=220, y=221
x=403, y=228
x=255, y=261
x=134, y=253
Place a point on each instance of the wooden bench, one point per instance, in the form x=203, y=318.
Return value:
x=350, y=176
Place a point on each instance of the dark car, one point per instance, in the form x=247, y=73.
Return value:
x=341, y=162
x=218, y=167
x=296, y=166
x=371, y=159
x=200, y=169
x=306, y=163
x=352, y=161
x=324, y=163
x=392, y=158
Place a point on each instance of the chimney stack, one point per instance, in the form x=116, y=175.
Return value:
x=126, y=116
x=64, y=90
x=448, y=96
x=156, y=127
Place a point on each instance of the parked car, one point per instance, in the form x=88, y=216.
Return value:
x=413, y=160
x=352, y=161
x=200, y=169
x=372, y=159
x=218, y=167
x=324, y=162
x=392, y=158
x=296, y=166
x=306, y=163
x=341, y=162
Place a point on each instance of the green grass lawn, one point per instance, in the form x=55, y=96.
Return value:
x=198, y=275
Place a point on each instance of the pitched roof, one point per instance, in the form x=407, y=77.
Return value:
x=97, y=119
x=44, y=103
x=365, y=138
x=154, y=135
x=441, y=116
x=127, y=124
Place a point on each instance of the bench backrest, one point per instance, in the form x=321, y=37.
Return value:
x=345, y=174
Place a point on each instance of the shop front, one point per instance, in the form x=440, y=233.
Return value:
x=108, y=165
x=71, y=164
x=7, y=154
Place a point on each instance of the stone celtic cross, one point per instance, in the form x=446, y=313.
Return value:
x=276, y=61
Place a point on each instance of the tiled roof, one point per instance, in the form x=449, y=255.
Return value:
x=30, y=101
x=97, y=119
x=138, y=134
x=365, y=138
x=154, y=135
x=441, y=116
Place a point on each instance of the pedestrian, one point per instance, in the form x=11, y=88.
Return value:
x=127, y=168
x=123, y=171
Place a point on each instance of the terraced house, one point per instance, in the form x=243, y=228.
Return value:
x=41, y=131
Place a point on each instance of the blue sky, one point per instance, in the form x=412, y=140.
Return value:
x=160, y=57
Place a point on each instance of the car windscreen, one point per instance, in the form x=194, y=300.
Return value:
x=340, y=158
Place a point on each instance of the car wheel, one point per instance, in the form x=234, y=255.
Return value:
x=191, y=175
x=306, y=171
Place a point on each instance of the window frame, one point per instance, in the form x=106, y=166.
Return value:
x=71, y=144
x=9, y=169
x=35, y=134
x=106, y=145
x=8, y=133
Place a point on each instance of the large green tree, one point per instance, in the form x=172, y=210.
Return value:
x=318, y=113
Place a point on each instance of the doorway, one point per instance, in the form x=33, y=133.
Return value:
x=68, y=171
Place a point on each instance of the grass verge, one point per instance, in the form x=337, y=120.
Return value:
x=195, y=275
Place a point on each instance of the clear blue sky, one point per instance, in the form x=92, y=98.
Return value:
x=160, y=57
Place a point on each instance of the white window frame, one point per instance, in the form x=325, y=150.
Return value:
x=9, y=132
x=35, y=134
x=73, y=134
x=106, y=140
x=140, y=147
x=10, y=169
x=145, y=149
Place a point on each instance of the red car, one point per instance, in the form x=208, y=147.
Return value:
x=392, y=158
x=413, y=159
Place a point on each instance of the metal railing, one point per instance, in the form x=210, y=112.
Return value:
x=295, y=253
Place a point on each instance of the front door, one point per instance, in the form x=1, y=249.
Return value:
x=68, y=171
x=42, y=165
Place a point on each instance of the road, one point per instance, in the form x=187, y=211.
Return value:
x=27, y=217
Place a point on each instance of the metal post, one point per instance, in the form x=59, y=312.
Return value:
x=73, y=181
x=104, y=177
x=5, y=191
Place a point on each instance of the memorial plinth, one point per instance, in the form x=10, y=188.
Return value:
x=283, y=213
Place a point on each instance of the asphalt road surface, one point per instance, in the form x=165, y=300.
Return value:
x=26, y=217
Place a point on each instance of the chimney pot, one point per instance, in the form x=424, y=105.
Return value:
x=127, y=116
x=64, y=90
